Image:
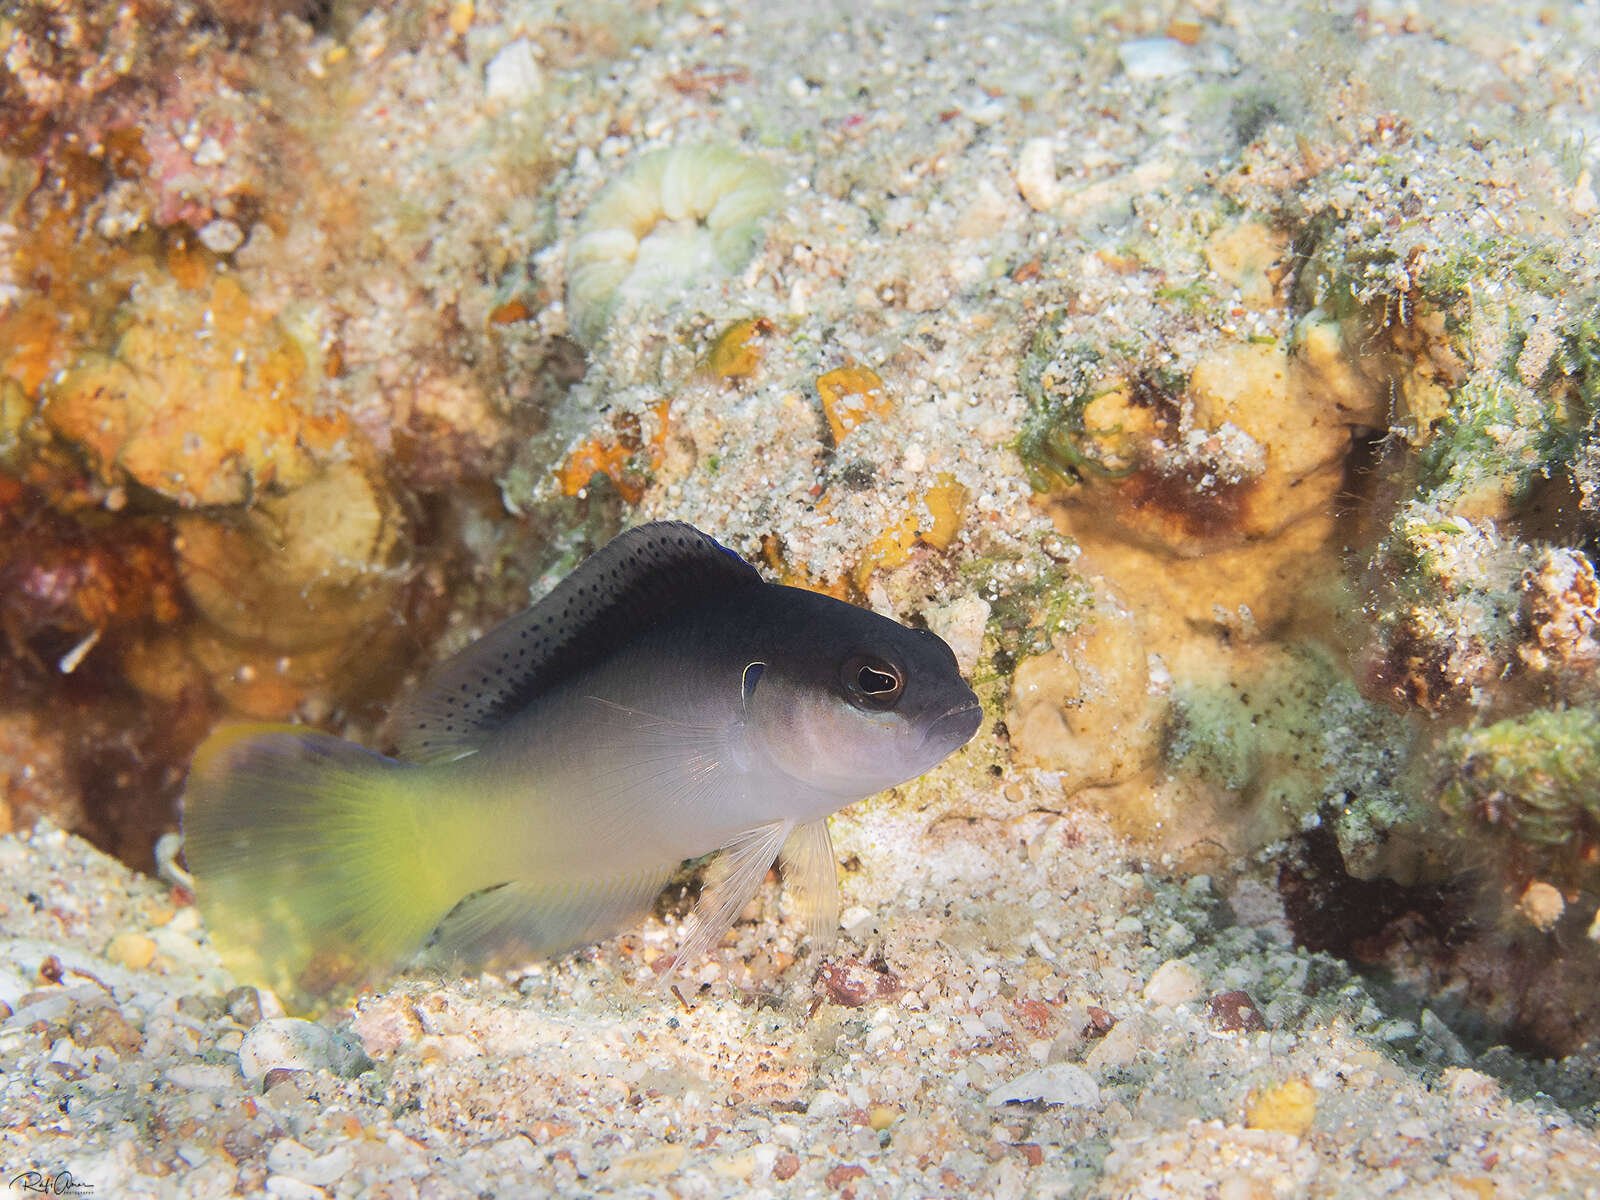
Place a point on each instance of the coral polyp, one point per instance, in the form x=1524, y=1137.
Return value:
x=675, y=216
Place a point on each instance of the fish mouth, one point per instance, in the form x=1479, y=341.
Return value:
x=955, y=726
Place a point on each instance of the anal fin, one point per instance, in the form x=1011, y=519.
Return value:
x=521, y=920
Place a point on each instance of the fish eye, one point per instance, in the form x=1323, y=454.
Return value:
x=872, y=682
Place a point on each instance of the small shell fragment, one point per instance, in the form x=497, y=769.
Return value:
x=291, y=1044
x=1064, y=1084
x=1036, y=174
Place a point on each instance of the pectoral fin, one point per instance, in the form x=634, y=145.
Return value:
x=733, y=879
x=523, y=920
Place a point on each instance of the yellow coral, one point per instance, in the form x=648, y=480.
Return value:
x=202, y=400
x=1288, y=1107
x=1255, y=443
x=738, y=350
x=265, y=684
x=851, y=396
x=1249, y=256
x=299, y=570
x=1087, y=708
x=934, y=520
x=946, y=502
x=795, y=576
x=616, y=455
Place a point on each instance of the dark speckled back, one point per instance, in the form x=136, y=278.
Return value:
x=636, y=582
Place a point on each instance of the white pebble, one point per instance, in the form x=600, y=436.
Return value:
x=1154, y=58
x=961, y=624
x=187, y=920
x=202, y=1077
x=1176, y=936
x=513, y=75
x=856, y=920
x=209, y=153
x=220, y=236
x=292, y=1189
x=1466, y=1084
x=292, y=1044
x=288, y=1157
x=1174, y=982
x=1583, y=199
x=826, y=1104
x=1397, y=1029
x=46, y=1006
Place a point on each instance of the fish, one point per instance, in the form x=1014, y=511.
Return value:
x=661, y=703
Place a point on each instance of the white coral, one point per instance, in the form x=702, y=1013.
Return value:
x=676, y=215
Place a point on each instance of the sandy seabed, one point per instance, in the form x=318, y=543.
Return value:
x=1022, y=1002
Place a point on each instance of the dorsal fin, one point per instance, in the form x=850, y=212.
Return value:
x=636, y=581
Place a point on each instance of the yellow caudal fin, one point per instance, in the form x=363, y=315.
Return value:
x=318, y=865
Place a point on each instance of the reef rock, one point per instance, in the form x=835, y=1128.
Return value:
x=201, y=401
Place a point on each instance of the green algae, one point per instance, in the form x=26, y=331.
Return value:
x=1451, y=564
x=1029, y=604
x=1502, y=424
x=1058, y=382
x=1575, y=365
x=1296, y=739
x=1533, y=778
x=1498, y=432
x=1197, y=296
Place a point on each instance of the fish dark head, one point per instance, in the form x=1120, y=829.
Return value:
x=849, y=702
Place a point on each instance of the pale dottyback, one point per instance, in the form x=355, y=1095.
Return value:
x=661, y=703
